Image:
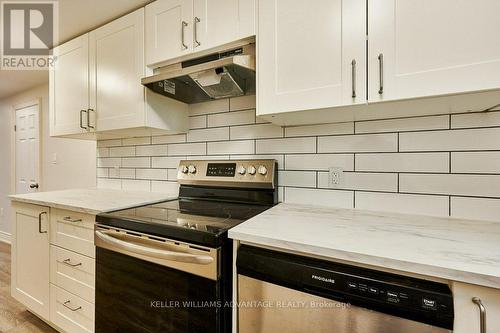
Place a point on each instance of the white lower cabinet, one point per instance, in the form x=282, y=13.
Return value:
x=467, y=300
x=30, y=257
x=70, y=312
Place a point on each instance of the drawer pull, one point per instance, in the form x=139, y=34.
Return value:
x=69, y=219
x=482, y=314
x=69, y=307
x=68, y=263
x=40, y=223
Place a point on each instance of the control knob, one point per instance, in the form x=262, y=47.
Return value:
x=184, y=169
x=262, y=170
x=192, y=169
x=242, y=170
x=251, y=170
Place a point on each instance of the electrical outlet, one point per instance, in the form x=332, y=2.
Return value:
x=335, y=176
x=54, y=158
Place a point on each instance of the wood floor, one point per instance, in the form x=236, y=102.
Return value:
x=14, y=318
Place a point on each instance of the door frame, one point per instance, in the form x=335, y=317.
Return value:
x=34, y=102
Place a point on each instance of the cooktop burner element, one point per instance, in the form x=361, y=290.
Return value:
x=214, y=196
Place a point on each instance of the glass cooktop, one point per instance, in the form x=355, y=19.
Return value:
x=198, y=221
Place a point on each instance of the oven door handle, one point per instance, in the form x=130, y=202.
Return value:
x=154, y=252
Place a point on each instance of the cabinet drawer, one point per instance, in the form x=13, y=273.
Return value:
x=70, y=312
x=73, y=231
x=73, y=272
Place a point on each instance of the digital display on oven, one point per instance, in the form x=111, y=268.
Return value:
x=221, y=169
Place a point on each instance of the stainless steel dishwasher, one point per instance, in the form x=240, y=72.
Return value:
x=279, y=292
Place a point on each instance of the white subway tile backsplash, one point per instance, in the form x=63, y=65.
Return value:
x=324, y=129
x=451, y=140
x=364, y=181
x=231, y=118
x=451, y=184
x=475, y=208
x=242, y=103
x=307, y=196
x=409, y=165
x=231, y=147
x=185, y=149
x=319, y=161
x=479, y=119
x=403, y=203
x=475, y=162
x=155, y=150
x=290, y=145
x=136, y=162
x=403, y=162
x=358, y=143
x=152, y=174
x=403, y=125
x=208, y=134
x=297, y=178
x=259, y=131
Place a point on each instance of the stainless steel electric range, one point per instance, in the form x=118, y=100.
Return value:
x=167, y=267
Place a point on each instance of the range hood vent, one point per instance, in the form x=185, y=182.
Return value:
x=215, y=76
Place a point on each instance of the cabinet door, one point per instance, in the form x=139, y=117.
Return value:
x=69, y=88
x=305, y=52
x=169, y=30
x=30, y=257
x=467, y=315
x=218, y=22
x=117, y=66
x=433, y=47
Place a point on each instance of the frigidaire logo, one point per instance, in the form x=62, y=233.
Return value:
x=322, y=278
x=28, y=32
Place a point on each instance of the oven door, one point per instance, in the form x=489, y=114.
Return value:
x=150, y=284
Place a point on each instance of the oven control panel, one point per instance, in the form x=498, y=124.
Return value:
x=243, y=173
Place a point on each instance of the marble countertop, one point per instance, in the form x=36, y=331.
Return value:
x=448, y=248
x=92, y=201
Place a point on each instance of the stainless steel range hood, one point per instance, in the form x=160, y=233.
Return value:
x=215, y=76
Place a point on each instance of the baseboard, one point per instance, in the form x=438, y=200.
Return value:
x=5, y=237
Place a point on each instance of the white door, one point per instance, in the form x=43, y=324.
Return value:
x=432, y=47
x=69, y=88
x=169, y=30
x=218, y=22
x=306, y=52
x=27, y=149
x=117, y=66
x=30, y=258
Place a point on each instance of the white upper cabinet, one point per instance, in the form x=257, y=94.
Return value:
x=310, y=55
x=169, y=29
x=218, y=22
x=69, y=88
x=176, y=28
x=432, y=47
x=117, y=56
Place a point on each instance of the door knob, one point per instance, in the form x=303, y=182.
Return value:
x=35, y=185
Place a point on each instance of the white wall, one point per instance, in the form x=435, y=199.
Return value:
x=75, y=158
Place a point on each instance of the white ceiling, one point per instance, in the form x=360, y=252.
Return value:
x=75, y=18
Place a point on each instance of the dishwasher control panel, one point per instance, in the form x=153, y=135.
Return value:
x=415, y=299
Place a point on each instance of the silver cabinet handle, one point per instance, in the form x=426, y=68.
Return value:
x=195, y=33
x=482, y=314
x=154, y=252
x=69, y=307
x=68, y=263
x=69, y=219
x=353, y=65
x=381, y=73
x=40, y=223
x=81, y=121
x=184, y=25
x=88, y=117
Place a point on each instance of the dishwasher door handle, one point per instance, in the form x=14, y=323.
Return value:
x=154, y=252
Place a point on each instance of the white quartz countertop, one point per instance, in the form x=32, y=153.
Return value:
x=448, y=248
x=92, y=201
